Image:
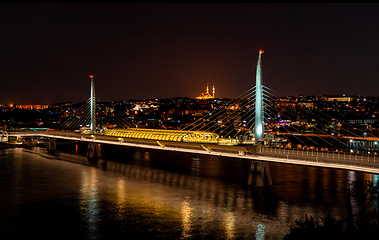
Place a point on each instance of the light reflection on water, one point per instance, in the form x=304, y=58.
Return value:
x=186, y=219
x=200, y=205
x=260, y=232
x=191, y=197
x=229, y=225
x=89, y=201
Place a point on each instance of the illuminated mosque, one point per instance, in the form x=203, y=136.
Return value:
x=205, y=95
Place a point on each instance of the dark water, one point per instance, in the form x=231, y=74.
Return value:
x=136, y=193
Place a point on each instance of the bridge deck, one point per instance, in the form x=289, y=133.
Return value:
x=356, y=163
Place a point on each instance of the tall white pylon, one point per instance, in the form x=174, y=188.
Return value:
x=259, y=124
x=93, y=106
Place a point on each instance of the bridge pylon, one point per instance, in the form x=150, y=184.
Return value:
x=259, y=121
x=93, y=106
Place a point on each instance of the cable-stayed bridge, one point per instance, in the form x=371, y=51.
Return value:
x=254, y=126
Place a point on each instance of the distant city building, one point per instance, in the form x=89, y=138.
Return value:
x=206, y=95
x=306, y=104
x=364, y=121
x=32, y=106
x=339, y=99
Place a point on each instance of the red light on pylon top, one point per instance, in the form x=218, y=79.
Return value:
x=261, y=51
x=91, y=76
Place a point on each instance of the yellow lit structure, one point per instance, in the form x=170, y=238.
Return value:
x=339, y=99
x=206, y=94
x=31, y=106
x=165, y=135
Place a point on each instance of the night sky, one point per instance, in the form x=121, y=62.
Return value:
x=139, y=51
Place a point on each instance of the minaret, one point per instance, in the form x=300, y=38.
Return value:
x=214, y=91
x=259, y=124
x=207, y=89
x=93, y=106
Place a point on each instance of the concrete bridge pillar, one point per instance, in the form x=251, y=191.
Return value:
x=3, y=139
x=51, y=145
x=260, y=145
x=93, y=150
x=18, y=139
x=259, y=173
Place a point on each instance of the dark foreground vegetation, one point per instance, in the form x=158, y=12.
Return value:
x=363, y=225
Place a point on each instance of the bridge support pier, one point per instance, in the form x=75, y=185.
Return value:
x=93, y=150
x=256, y=148
x=3, y=139
x=260, y=146
x=19, y=139
x=259, y=172
x=51, y=145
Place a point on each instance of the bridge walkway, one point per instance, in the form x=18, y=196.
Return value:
x=317, y=156
x=355, y=162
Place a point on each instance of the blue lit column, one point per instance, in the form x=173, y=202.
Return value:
x=259, y=125
x=93, y=106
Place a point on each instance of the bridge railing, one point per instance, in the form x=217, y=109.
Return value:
x=350, y=158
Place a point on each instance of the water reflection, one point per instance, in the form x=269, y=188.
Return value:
x=172, y=198
x=206, y=202
x=186, y=211
x=260, y=232
x=89, y=201
x=121, y=197
x=229, y=225
x=17, y=173
x=147, y=156
x=375, y=178
x=195, y=165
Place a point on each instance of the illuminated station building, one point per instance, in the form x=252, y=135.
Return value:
x=173, y=135
x=206, y=95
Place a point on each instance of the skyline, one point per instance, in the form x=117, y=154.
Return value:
x=146, y=51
